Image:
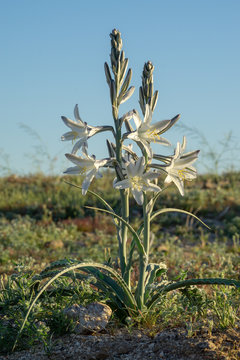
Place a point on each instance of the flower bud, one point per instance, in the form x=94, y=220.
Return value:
x=116, y=44
x=122, y=58
x=150, y=91
x=148, y=69
x=146, y=90
x=141, y=100
x=107, y=73
x=112, y=91
x=126, y=82
x=113, y=60
x=110, y=149
x=128, y=126
x=124, y=66
x=154, y=100
x=128, y=94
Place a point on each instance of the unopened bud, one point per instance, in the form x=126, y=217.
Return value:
x=141, y=100
x=154, y=100
x=107, y=73
x=122, y=57
x=128, y=94
x=110, y=149
x=113, y=58
x=148, y=69
x=112, y=91
x=124, y=66
x=126, y=82
x=116, y=40
x=150, y=92
x=128, y=126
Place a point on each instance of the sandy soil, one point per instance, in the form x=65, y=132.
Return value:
x=122, y=344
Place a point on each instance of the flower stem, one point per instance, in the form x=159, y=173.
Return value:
x=124, y=232
x=143, y=259
x=124, y=195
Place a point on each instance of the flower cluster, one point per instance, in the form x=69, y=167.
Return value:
x=133, y=172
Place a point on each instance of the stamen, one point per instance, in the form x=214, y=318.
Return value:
x=75, y=134
x=153, y=134
x=82, y=170
x=182, y=173
x=137, y=182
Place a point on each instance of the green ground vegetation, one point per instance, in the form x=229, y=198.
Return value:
x=43, y=219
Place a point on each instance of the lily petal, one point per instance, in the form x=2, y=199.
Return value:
x=123, y=184
x=179, y=184
x=77, y=116
x=138, y=196
x=74, y=170
x=73, y=124
x=87, y=181
x=148, y=115
x=80, y=143
x=71, y=135
x=151, y=187
x=79, y=161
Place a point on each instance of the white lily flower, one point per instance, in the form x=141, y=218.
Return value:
x=146, y=132
x=137, y=180
x=87, y=166
x=80, y=130
x=181, y=168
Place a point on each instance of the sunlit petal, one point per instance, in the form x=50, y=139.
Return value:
x=74, y=170
x=82, y=162
x=179, y=184
x=147, y=133
x=77, y=116
x=71, y=135
x=138, y=196
x=81, y=130
x=87, y=181
x=180, y=167
x=79, y=144
x=123, y=184
x=73, y=124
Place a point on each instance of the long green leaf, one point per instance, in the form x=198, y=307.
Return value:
x=105, y=203
x=98, y=284
x=128, y=269
x=162, y=211
x=180, y=211
x=180, y=284
x=135, y=235
x=72, y=268
x=151, y=203
x=124, y=296
x=47, y=272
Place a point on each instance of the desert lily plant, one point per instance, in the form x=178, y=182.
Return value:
x=143, y=175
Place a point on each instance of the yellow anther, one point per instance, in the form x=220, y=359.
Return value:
x=75, y=134
x=138, y=182
x=182, y=174
x=153, y=134
x=82, y=170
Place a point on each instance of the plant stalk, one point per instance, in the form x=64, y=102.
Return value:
x=143, y=259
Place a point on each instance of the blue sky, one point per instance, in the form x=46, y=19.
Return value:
x=52, y=56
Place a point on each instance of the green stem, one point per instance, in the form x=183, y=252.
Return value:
x=124, y=194
x=146, y=219
x=124, y=233
x=143, y=258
